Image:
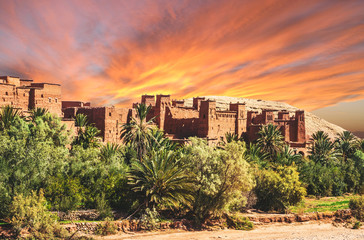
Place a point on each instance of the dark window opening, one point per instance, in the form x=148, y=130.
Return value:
x=110, y=114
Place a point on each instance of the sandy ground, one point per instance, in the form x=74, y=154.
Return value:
x=273, y=231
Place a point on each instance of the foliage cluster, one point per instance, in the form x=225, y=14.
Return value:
x=31, y=213
x=149, y=171
x=357, y=207
x=239, y=223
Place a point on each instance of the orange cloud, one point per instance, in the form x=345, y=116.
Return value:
x=306, y=53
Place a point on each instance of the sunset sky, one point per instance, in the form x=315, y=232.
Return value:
x=309, y=54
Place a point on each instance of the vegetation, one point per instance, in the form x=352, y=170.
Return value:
x=277, y=190
x=42, y=169
x=31, y=213
x=221, y=177
x=357, y=206
x=161, y=180
x=238, y=222
x=324, y=204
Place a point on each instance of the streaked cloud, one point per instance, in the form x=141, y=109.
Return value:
x=307, y=53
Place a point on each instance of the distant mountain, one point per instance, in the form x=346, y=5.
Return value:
x=313, y=122
x=359, y=134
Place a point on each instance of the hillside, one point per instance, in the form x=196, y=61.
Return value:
x=313, y=122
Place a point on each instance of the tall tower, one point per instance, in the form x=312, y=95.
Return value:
x=301, y=128
x=207, y=118
x=240, y=122
x=197, y=102
x=162, y=102
x=148, y=100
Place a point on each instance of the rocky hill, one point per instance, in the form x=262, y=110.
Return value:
x=313, y=122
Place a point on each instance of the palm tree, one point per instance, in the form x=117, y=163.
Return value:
x=161, y=180
x=322, y=149
x=138, y=131
x=37, y=112
x=109, y=150
x=158, y=140
x=254, y=154
x=287, y=156
x=359, y=144
x=270, y=140
x=81, y=120
x=345, y=144
x=229, y=137
x=87, y=133
x=90, y=138
x=8, y=115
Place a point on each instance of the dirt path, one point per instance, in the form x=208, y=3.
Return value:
x=299, y=231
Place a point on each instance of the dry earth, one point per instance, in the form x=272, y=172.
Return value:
x=313, y=122
x=297, y=231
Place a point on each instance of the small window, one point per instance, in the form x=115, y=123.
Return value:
x=6, y=93
x=109, y=114
x=204, y=116
x=56, y=100
x=23, y=94
x=50, y=100
x=42, y=96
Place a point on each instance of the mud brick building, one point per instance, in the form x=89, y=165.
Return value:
x=204, y=120
x=26, y=95
x=107, y=119
x=179, y=122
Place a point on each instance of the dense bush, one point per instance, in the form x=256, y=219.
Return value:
x=277, y=190
x=356, y=205
x=222, y=175
x=28, y=159
x=31, y=213
x=105, y=228
x=238, y=222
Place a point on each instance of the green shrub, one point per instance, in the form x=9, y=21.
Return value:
x=357, y=207
x=238, y=223
x=357, y=225
x=31, y=213
x=105, y=228
x=277, y=190
x=222, y=176
x=65, y=193
x=103, y=207
x=149, y=219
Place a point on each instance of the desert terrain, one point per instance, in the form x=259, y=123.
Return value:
x=297, y=231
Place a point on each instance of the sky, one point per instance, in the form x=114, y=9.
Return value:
x=307, y=53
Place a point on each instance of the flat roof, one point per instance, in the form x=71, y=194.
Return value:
x=7, y=84
x=8, y=76
x=48, y=83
